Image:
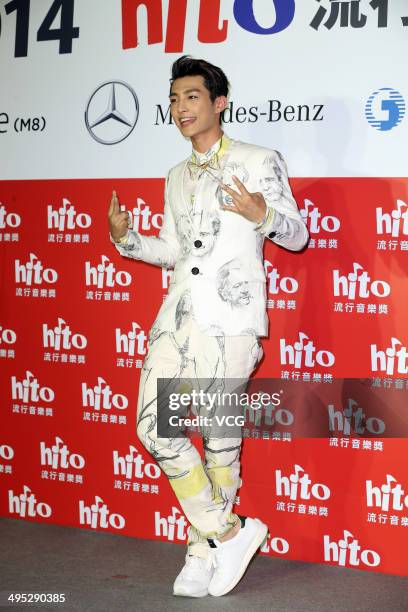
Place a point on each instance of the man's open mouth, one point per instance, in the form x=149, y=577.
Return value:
x=187, y=121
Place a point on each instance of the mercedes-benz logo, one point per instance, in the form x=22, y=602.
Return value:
x=105, y=123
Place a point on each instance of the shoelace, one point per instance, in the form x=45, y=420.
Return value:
x=192, y=564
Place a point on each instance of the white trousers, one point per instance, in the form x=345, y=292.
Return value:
x=205, y=489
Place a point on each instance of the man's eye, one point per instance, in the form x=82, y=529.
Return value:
x=192, y=96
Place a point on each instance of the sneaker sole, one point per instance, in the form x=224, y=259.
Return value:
x=202, y=593
x=256, y=543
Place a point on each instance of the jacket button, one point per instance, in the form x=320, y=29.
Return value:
x=197, y=243
x=195, y=270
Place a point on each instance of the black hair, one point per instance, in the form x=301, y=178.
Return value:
x=214, y=78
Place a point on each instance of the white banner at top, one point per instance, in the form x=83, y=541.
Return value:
x=85, y=83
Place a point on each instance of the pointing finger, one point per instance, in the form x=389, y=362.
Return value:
x=112, y=205
x=116, y=207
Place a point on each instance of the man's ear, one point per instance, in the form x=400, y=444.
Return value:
x=221, y=103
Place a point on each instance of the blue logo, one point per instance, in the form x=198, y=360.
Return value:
x=385, y=109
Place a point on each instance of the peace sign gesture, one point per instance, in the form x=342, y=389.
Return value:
x=252, y=206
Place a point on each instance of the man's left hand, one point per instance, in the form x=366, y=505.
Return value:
x=252, y=206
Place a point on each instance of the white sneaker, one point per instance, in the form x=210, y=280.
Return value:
x=231, y=558
x=194, y=578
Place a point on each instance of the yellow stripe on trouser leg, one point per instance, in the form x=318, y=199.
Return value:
x=192, y=483
x=222, y=475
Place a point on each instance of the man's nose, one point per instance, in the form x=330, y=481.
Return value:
x=182, y=106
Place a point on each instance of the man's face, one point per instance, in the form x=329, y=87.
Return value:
x=191, y=107
x=239, y=294
x=269, y=185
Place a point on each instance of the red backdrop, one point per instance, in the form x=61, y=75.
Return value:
x=73, y=326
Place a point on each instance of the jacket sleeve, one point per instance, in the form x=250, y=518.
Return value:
x=162, y=250
x=285, y=225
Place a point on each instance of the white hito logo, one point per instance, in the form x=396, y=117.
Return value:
x=385, y=361
x=380, y=497
x=358, y=284
x=142, y=217
x=66, y=217
x=58, y=456
x=393, y=223
x=10, y=219
x=97, y=515
x=6, y=452
x=316, y=221
x=276, y=283
x=297, y=486
x=126, y=343
x=269, y=414
x=29, y=390
x=102, y=396
x=33, y=272
x=280, y=546
x=62, y=338
x=349, y=551
x=7, y=336
x=353, y=419
x=172, y=526
x=133, y=465
x=166, y=275
x=26, y=504
x=304, y=354
x=105, y=275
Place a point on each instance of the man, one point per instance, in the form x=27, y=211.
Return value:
x=220, y=204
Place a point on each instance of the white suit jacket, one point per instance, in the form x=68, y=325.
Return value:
x=217, y=255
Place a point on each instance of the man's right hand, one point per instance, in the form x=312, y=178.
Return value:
x=118, y=220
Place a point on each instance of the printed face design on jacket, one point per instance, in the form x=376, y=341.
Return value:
x=270, y=182
x=231, y=285
x=208, y=224
x=185, y=234
x=230, y=169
